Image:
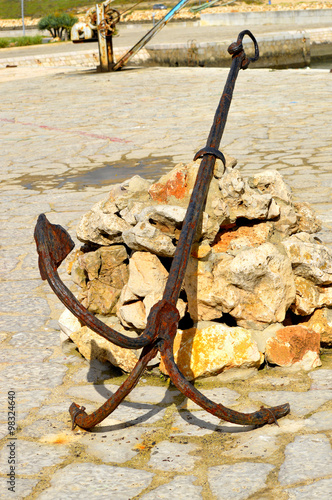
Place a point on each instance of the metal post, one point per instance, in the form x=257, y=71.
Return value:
x=22, y=11
x=102, y=40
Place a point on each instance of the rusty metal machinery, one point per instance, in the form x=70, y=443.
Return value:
x=54, y=244
x=100, y=25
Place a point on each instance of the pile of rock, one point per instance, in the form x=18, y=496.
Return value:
x=258, y=285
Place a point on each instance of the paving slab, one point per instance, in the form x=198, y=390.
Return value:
x=96, y=481
x=307, y=457
x=238, y=481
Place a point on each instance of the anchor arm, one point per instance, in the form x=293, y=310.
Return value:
x=261, y=417
x=53, y=245
x=82, y=419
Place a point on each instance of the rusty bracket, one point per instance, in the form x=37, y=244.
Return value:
x=54, y=244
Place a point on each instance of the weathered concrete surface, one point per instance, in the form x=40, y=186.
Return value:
x=278, y=120
x=308, y=17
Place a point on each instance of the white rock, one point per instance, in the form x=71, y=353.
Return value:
x=144, y=236
x=101, y=228
x=310, y=259
x=271, y=181
x=265, y=280
x=68, y=323
x=132, y=315
x=146, y=274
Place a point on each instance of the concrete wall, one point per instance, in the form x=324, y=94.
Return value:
x=307, y=17
x=276, y=51
x=89, y=58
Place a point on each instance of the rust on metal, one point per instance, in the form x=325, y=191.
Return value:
x=101, y=21
x=54, y=244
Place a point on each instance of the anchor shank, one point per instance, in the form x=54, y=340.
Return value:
x=199, y=194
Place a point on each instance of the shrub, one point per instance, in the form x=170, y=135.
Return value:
x=28, y=40
x=4, y=42
x=20, y=41
x=56, y=24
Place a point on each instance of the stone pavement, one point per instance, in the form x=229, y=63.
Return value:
x=58, y=126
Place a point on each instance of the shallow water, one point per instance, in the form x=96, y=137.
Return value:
x=111, y=173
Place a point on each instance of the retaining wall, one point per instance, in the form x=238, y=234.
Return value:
x=297, y=17
x=276, y=51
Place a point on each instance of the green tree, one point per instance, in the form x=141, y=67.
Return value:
x=56, y=24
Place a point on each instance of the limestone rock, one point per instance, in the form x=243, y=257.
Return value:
x=271, y=182
x=310, y=259
x=68, y=324
x=129, y=192
x=78, y=275
x=170, y=217
x=102, y=225
x=219, y=166
x=199, y=287
x=262, y=336
x=145, y=236
x=100, y=298
x=106, y=274
x=200, y=250
x=307, y=220
x=264, y=278
x=307, y=296
x=145, y=287
x=253, y=258
x=321, y=323
x=239, y=200
x=103, y=261
x=152, y=298
x=175, y=187
x=287, y=223
x=146, y=274
x=294, y=345
x=132, y=315
x=239, y=237
x=310, y=296
x=256, y=286
x=131, y=212
x=325, y=296
x=208, y=350
x=93, y=346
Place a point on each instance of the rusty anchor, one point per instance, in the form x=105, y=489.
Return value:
x=54, y=244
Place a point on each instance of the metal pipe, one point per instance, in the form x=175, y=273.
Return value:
x=22, y=11
x=147, y=37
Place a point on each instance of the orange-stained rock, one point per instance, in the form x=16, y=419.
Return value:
x=210, y=348
x=294, y=345
x=321, y=323
x=170, y=185
x=250, y=236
